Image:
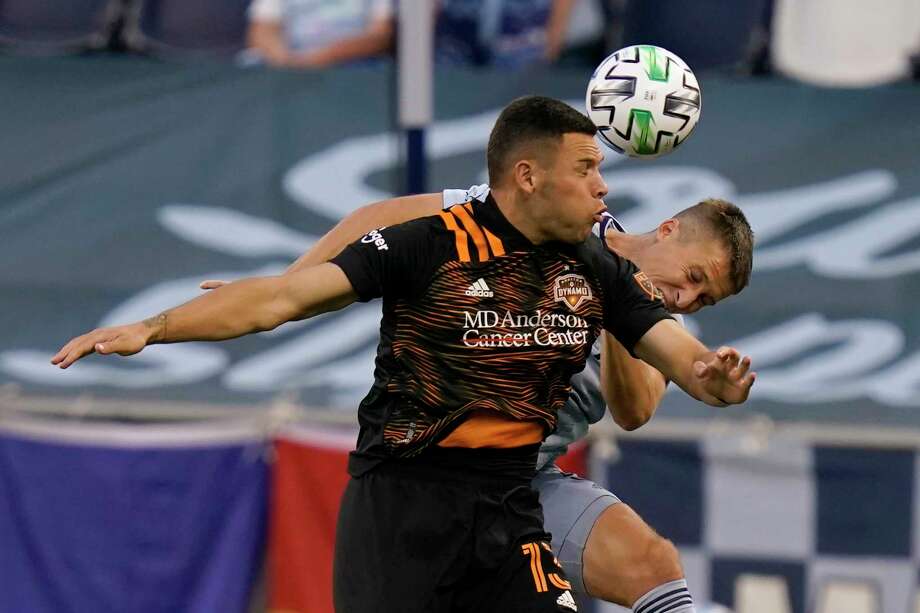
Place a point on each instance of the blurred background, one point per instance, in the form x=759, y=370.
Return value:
x=151, y=144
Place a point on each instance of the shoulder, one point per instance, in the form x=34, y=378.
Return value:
x=595, y=253
x=423, y=233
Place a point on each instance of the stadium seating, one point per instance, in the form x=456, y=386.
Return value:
x=182, y=29
x=705, y=33
x=52, y=27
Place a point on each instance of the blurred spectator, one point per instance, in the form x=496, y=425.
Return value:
x=319, y=33
x=503, y=33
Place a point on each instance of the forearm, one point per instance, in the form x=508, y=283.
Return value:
x=363, y=220
x=253, y=305
x=268, y=39
x=632, y=388
x=557, y=27
x=673, y=351
x=249, y=305
x=230, y=311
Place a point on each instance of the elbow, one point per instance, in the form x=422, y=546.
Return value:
x=632, y=422
x=633, y=419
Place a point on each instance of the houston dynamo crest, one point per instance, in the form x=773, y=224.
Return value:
x=573, y=290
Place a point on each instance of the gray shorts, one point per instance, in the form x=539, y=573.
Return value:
x=571, y=506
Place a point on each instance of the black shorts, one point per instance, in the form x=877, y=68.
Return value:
x=413, y=537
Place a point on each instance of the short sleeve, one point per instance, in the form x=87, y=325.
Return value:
x=396, y=261
x=632, y=304
x=265, y=10
x=450, y=197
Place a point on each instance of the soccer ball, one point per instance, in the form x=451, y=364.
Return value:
x=644, y=100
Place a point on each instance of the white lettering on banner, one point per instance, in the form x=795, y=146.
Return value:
x=332, y=182
x=856, y=358
x=850, y=354
x=855, y=250
x=155, y=366
x=233, y=232
x=657, y=193
x=324, y=341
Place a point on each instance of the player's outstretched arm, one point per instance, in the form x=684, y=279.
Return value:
x=356, y=224
x=632, y=388
x=248, y=305
x=718, y=378
x=361, y=221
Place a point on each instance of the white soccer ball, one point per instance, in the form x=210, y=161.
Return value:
x=644, y=100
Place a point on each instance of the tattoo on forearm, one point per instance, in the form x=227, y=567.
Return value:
x=158, y=324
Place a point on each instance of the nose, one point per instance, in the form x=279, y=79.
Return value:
x=601, y=189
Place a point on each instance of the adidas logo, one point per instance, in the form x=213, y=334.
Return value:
x=479, y=289
x=567, y=601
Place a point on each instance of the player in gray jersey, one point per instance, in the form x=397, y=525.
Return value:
x=695, y=259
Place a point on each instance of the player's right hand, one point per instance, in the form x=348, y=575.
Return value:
x=725, y=378
x=212, y=284
x=123, y=340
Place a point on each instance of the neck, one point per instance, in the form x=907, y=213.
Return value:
x=629, y=246
x=519, y=214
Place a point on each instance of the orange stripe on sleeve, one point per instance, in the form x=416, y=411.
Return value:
x=559, y=582
x=497, y=248
x=478, y=239
x=539, y=579
x=463, y=251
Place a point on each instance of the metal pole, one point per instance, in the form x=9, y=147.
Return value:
x=414, y=81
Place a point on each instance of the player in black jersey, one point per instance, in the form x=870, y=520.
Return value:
x=488, y=311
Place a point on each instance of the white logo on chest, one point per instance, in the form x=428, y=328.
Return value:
x=480, y=289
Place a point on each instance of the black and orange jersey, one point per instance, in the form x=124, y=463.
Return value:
x=482, y=328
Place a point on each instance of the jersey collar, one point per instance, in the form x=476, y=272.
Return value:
x=488, y=214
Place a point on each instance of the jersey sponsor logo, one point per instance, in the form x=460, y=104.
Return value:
x=566, y=600
x=573, y=290
x=480, y=289
x=374, y=237
x=542, y=329
x=647, y=286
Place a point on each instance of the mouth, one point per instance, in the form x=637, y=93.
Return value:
x=668, y=301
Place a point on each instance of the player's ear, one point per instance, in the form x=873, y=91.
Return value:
x=669, y=228
x=525, y=175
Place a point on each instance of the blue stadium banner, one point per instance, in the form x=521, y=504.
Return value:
x=125, y=182
x=127, y=517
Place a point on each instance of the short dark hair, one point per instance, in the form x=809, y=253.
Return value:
x=725, y=222
x=529, y=119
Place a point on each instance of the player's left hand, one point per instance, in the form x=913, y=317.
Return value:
x=724, y=377
x=124, y=340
